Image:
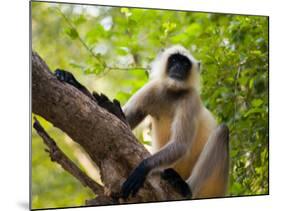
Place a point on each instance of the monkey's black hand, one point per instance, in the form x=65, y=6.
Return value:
x=113, y=107
x=135, y=180
x=68, y=77
x=172, y=177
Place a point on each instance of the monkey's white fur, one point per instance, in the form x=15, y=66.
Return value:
x=159, y=65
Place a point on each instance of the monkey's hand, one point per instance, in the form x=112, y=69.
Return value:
x=113, y=107
x=68, y=77
x=135, y=180
x=172, y=177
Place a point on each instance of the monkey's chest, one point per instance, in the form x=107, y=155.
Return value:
x=161, y=132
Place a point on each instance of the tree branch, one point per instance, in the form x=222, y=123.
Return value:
x=58, y=156
x=108, y=141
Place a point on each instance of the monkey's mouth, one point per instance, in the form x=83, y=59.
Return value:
x=180, y=76
x=178, y=72
x=177, y=76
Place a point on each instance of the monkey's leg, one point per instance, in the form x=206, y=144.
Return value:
x=102, y=100
x=210, y=174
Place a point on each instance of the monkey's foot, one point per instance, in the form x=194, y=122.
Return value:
x=172, y=177
x=113, y=107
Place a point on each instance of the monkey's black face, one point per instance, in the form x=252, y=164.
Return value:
x=178, y=67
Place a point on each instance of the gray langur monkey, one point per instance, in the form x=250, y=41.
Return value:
x=186, y=138
x=188, y=144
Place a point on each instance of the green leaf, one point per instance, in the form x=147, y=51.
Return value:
x=122, y=51
x=257, y=102
x=254, y=111
x=193, y=29
x=79, y=20
x=168, y=27
x=126, y=11
x=72, y=33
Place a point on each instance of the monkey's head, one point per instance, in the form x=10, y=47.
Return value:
x=177, y=68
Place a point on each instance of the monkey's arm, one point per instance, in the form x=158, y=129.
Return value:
x=138, y=106
x=183, y=131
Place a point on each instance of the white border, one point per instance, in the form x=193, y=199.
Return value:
x=15, y=103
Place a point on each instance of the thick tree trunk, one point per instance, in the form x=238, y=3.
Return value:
x=107, y=140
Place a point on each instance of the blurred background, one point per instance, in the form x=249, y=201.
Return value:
x=110, y=49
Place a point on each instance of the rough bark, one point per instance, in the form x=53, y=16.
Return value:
x=108, y=141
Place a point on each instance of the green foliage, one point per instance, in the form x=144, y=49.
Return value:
x=51, y=185
x=72, y=33
x=108, y=48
